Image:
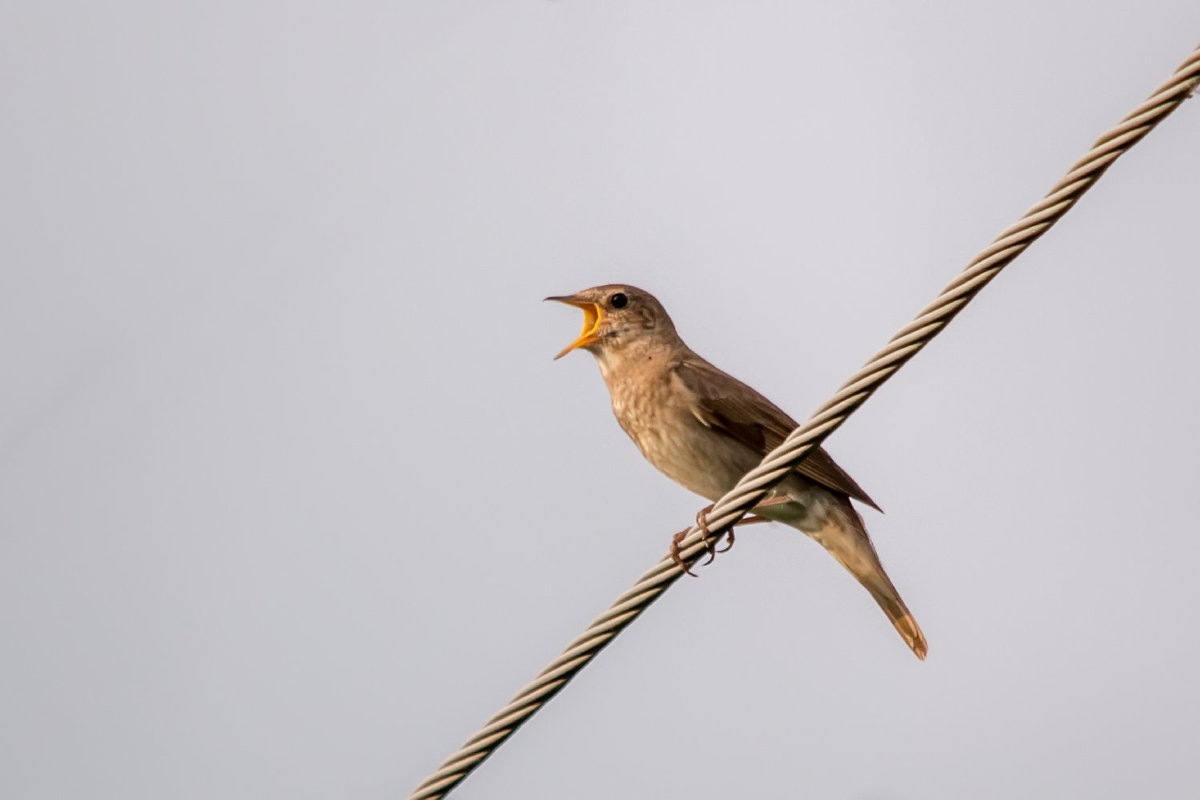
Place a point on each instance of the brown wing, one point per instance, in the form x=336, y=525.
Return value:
x=730, y=406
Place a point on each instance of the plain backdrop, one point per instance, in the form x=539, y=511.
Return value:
x=293, y=497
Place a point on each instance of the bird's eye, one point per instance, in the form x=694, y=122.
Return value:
x=618, y=300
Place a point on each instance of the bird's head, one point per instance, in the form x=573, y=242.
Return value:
x=616, y=316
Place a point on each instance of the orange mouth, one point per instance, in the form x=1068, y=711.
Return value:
x=593, y=315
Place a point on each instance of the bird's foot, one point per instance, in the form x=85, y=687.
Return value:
x=747, y=520
x=710, y=542
x=675, y=540
x=728, y=542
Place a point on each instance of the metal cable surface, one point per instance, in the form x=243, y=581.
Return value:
x=752, y=488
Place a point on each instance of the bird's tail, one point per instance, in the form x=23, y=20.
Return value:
x=845, y=537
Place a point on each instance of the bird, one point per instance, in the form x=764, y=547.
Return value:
x=705, y=429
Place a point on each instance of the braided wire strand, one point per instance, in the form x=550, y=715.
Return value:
x=755, y=485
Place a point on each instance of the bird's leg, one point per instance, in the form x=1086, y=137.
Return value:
x=750, y=520
x=710, y=544
x=772, y=501
x=753, y=518
x=675, y=540
x=729, y=541
x=702, y=523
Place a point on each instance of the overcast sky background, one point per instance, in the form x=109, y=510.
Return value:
x=292, y=496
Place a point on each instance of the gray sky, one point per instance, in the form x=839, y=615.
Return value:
x=292, y=496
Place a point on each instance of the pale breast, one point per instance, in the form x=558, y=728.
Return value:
x=657, y=416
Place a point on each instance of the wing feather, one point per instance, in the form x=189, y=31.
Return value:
x=725, y=404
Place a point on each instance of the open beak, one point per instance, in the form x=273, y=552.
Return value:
x=593, y=315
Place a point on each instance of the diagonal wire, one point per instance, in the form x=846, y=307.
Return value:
x=753, y=488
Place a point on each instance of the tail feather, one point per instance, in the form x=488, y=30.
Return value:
x=902, y=619
x=845, y=537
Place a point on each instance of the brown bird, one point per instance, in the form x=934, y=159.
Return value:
x=705, y=429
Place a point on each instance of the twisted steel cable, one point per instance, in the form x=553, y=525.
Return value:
x=753, y=487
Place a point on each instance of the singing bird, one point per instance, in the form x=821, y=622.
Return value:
x=705, y=429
